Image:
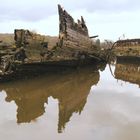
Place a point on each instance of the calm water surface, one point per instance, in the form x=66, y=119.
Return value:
x=84, y=104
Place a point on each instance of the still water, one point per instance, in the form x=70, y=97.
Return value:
x=91, y=103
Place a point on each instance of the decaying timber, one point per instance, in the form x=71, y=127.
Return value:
x=129, y=48
x=72, y=34
x=74, y=47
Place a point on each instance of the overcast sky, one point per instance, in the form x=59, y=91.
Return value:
x=107, y=18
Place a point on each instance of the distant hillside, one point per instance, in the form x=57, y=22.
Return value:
x=52, y=40
x=9, y=39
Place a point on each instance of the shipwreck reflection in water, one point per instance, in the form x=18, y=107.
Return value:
x=70, y=88
x=129, y=72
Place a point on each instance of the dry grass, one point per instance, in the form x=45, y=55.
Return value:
x=9, y=39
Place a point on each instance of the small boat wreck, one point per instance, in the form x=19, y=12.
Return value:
x=128, y=49
x=31, y=52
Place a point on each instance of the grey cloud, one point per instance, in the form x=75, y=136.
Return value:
x=35, y=10
x=27, y=11
x=104, y=5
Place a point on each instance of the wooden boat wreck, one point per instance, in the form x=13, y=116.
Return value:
x=128, y=49
x=31, y=52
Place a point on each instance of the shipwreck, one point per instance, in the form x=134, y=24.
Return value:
x=128, y=49
x=31, y=52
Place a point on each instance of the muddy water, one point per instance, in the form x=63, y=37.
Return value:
x=90, y=103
